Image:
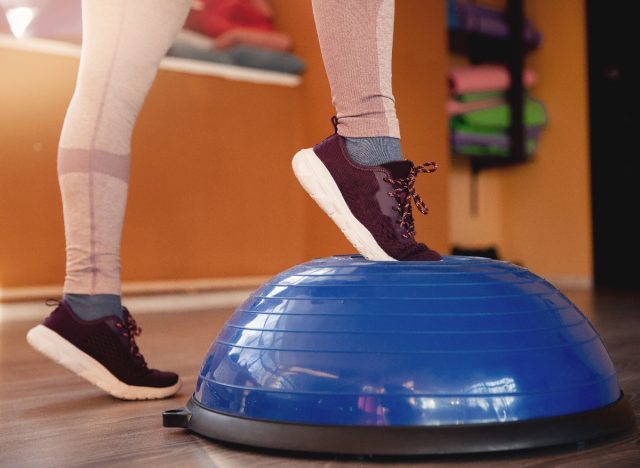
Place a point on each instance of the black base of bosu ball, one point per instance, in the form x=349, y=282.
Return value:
x=346, y=356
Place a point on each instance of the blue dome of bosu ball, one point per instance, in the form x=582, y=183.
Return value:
x=345, y=355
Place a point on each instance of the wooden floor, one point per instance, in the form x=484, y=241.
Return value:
x=49, y=417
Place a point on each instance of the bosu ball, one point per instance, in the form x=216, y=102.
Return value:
x=349, y=356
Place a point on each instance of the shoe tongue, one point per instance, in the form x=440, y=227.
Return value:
x=131, y=340
x=398, y=169
x=125, y=314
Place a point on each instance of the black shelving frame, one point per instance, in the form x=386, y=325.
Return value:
x=512, y=53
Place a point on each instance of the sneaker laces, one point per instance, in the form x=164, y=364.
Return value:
x=404, y=191
x=130, y=329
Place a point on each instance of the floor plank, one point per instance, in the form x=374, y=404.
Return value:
x=49, y=417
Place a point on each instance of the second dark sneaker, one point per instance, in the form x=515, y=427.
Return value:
x=370, y=204
x=102, y=351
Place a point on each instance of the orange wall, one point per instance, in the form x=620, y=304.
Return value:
x=212, y=192
x=204, y=199
x=547, y=204
x=539, y=213
x=483, y=228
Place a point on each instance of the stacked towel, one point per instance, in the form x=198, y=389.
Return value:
x=488, y=22
x=236, y=32
x=484, y=79
x=192, y=45
x=480, y=117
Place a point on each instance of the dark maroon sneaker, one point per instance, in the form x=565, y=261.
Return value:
x=370, y=204
x=104, y=352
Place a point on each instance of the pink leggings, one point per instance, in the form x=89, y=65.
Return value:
x=123, y=43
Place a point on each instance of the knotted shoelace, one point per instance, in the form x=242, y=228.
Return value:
x=404, y=191
x=130, y=329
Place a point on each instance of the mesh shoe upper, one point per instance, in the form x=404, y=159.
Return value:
x=366, y=190
x=111, y=342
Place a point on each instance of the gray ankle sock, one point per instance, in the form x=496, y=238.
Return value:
x=373, y=151
x=94, y=306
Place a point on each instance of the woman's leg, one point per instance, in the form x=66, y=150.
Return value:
x=123, y=43
x=356, y=39
x=358, y=175
x=90, y=333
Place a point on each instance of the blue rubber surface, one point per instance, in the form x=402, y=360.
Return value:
x=346, y=341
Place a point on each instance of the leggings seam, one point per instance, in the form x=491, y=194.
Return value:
x=92, y=257
x=379, y=66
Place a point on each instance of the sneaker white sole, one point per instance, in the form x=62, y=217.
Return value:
x=316, y=179
x=55, y=347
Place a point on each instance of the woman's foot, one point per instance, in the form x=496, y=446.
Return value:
x=104, y=352
x=370, y=204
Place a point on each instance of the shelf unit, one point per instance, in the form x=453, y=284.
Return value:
x=511, y=52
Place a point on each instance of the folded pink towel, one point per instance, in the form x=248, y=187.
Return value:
x=456, y=107
x=480, y=78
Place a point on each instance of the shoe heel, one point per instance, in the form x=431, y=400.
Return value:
x=318, y=182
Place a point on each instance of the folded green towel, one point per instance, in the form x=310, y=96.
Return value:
x=499, y=117
x=462, y=128
x=487, y=95
x=491, y=150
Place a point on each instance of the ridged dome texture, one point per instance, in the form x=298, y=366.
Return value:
x=346, y=341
